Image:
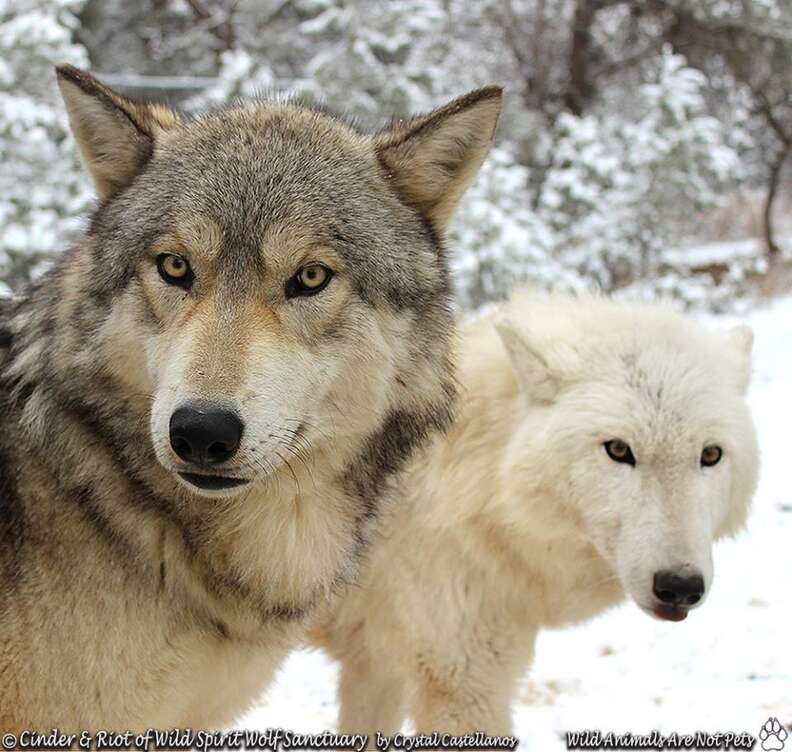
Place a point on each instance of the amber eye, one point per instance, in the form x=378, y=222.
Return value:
x=619, y=451
x=309, y=280
x=711, y=455
x=175, y=270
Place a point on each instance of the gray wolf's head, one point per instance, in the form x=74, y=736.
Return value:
x=644, y=435
x=274, y=279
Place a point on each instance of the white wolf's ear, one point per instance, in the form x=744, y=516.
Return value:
x=741, y=339
x=115, y=135
x=433, y=158
x=534, y=375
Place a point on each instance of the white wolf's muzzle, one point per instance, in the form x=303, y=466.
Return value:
x=676, y=591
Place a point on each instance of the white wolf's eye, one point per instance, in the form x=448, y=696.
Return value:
x=619, y=451
x=308, y=281
x=175, y=270
x=711, y=455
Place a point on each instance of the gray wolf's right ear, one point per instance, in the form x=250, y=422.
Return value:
x=115, y=135
x=433, y=158
x=536, y=378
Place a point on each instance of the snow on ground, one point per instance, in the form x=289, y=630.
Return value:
x=726, y=252
x=726, y=668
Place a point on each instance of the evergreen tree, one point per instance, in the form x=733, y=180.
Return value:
x=42, y=190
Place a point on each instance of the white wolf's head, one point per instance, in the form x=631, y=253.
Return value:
x=646, y=436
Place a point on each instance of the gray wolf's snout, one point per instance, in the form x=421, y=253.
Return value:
x=675, y=589
x=205, y=434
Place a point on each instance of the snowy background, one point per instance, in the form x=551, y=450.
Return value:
x=643, y=150
x=634, y=133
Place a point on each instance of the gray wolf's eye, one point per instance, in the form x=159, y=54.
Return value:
x=619, y=451
x=711, y=455
x=309, y=280
x=175, y=270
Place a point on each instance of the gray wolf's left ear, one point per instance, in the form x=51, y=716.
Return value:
x=741, y=339
x=433, y=158
x=115, y=135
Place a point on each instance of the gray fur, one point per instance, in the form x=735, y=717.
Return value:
x=86, y=508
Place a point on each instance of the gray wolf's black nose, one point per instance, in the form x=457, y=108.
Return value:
x=678, y=590
x=205, y=434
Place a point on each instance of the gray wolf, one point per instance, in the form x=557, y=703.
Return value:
x=599, y=450
x=205, y=402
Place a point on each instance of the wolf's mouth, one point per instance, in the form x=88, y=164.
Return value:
x=212, y=482
x=670, y=613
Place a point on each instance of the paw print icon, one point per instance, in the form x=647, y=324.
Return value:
x=772, y=735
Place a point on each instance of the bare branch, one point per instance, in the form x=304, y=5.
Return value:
x=219, y=24
x=627, y=62
x=199, y=9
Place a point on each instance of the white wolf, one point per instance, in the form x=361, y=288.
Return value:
x=600, y=449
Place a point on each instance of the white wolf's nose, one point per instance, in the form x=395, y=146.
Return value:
x=676, y=589
x=205, y=434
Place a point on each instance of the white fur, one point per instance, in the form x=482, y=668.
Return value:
x=519, y=519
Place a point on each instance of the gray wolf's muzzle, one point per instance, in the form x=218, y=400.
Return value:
x=206, y=435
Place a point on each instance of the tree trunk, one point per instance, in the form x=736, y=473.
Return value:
x=580, y=90
x=773, y=180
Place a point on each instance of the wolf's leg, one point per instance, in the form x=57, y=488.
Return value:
x=472, y=687
x=371, y=697
x=457, y=709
